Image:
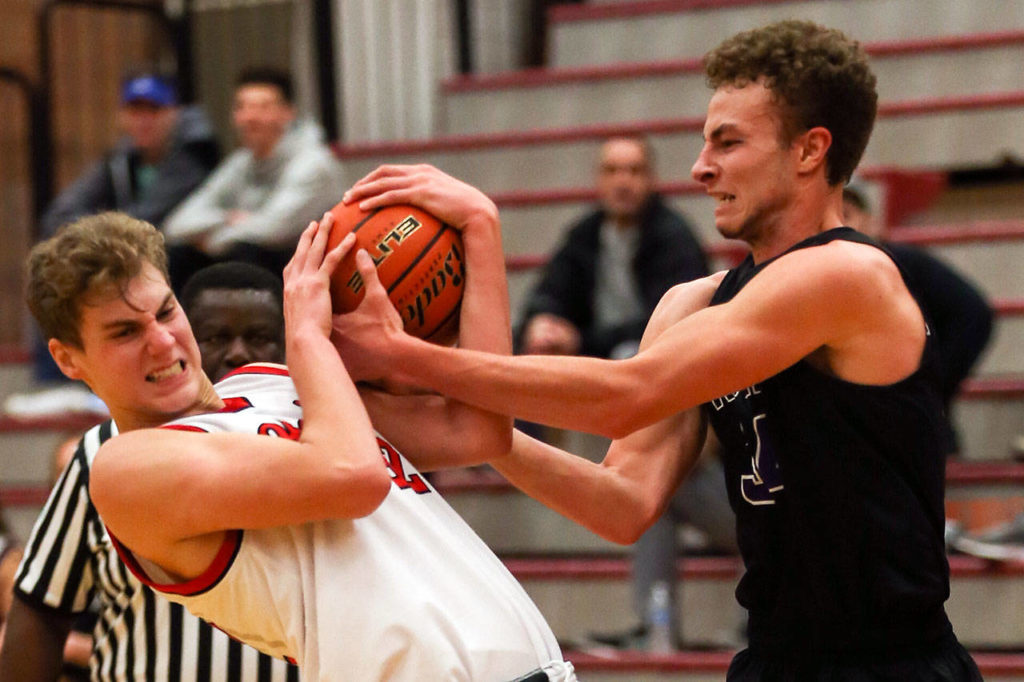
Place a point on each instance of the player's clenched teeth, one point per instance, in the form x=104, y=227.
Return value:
x=723, y=198
x=169, y=371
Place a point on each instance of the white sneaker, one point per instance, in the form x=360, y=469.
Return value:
x=49, y=402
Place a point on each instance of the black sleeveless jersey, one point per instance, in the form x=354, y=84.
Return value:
x=838, y=492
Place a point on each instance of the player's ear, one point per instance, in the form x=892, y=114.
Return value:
x=65, y=358
x=813, y=145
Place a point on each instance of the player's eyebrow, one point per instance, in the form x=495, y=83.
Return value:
x=720, y=131
x=128, y=322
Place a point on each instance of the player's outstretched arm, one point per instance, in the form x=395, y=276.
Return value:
x=620, y=497
x=187, y=487
x=435, y=431
x=844, y=302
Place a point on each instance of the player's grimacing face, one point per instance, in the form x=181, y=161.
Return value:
x=743, y=165
x=138, y=353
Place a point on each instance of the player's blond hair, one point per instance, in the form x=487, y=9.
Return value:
x=91, y=255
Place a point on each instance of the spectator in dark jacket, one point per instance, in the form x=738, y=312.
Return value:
x=166, y=153
x=603, y=282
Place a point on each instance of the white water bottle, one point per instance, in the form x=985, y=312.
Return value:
x=659, y=619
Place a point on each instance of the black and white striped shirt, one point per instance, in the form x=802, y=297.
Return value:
x=70, y=562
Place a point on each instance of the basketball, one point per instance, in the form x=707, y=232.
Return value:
x=419, y=261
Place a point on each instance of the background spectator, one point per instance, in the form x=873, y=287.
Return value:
x=257, y=202
x=166, y=152
x=602, y=283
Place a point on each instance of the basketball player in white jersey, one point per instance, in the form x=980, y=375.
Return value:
x=307, y=545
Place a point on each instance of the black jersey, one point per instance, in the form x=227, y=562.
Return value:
x=838, y=491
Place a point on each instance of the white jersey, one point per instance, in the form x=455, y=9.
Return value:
x=409, y=592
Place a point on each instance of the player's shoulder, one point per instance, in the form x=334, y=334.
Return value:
x=840, y=265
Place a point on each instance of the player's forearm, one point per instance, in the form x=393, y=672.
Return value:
x=588, y=493
x=585, y=394
x=486, y=321
x=335, y=423
x=330, y=402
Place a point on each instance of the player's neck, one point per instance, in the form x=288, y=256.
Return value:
x=132, y=419
x=810, y=212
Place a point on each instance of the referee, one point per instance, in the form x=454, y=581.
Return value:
x=70, y=565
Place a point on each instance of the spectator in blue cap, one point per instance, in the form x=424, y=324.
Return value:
x=165, y=152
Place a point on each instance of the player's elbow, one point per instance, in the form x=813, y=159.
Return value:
x=359, y=490
x=629, y=528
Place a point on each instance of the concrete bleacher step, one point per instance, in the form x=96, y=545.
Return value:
x=26, y=447
x=989, y=416
x=15, y=371
x=590, y=34
x=936, y=132
x=578, y=595
x=1002, y=355
x=997, y=200
x=956, y=65
x=988, y=252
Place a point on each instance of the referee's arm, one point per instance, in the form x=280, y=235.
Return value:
x=33, y=648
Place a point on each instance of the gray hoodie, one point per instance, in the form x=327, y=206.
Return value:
x=281, y=194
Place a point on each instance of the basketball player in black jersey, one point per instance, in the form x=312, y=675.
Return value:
x=812, y=359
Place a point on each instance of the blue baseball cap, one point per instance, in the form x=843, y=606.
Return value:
x=152, y=89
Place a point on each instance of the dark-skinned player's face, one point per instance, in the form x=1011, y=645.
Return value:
x=235, y=327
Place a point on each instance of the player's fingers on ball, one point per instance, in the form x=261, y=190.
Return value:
x=302, y=247
x=323, y=231
x=384, y=171
x=368, y=271
x=335, y=255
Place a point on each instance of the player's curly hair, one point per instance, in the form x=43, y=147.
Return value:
x=92, y=255
x=819, y=77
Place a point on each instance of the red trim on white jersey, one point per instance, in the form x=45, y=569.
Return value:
x=205, y=581
x=258, y=368
x=183, y=427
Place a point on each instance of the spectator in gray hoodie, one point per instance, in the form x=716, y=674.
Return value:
x=257, y=202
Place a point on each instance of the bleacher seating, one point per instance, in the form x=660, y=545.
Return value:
x=952, y=97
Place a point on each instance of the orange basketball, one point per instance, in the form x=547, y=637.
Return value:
x=419, y=261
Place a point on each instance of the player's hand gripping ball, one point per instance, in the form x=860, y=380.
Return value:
x=419, y=261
